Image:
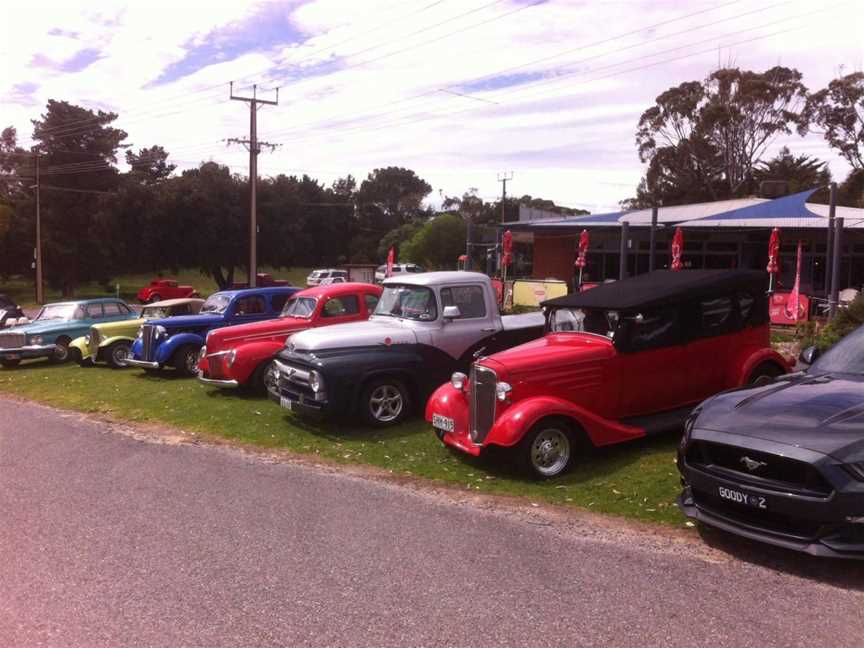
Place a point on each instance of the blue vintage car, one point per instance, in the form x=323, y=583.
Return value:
x=176, y=341
x=56, y=325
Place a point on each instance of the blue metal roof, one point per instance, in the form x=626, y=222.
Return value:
x=793, y=206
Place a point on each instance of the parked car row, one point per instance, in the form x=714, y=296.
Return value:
x=765, y=453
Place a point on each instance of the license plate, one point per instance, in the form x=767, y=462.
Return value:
x=287, y=403
x=740, y=497
x=443, y=423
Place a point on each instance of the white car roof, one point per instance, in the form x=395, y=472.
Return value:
x=435, y=278
x=174, y=302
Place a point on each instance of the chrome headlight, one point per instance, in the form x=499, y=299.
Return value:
x=316, y=382
x=458, y=380
x=161, y=332
x=140, y=332
x=502, y=390
x=230, y=357
x=203, y=352
x=36, y=339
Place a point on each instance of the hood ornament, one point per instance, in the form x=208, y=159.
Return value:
x=751, y=464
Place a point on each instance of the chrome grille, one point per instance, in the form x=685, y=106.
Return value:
x=12, y=340
x=290, y=374
x=148, y=336
x=482, y=402
x=216, y=366
x=94, y=341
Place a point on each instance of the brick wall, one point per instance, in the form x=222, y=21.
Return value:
x=554, y=256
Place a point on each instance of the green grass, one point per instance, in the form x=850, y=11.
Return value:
x=23, y=291
x=638, y=480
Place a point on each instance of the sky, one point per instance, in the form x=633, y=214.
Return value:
x=460, y=91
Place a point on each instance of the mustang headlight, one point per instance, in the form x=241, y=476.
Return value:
x=316, y=382
x=458, y=380
x=502, y=390
x=161, y=332
x=856, y=470
x=36, y=339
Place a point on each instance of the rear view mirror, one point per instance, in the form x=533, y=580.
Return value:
x=452, y=312
x=809, y=355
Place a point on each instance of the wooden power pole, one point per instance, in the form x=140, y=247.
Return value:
x=254, y=147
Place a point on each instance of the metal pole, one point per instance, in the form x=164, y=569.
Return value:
x=622, y=258
x=468, y=241
x=651, y=238
x=835, y=267
x=40, y=297
x=832, y=208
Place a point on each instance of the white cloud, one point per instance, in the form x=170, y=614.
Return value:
x=569, y=138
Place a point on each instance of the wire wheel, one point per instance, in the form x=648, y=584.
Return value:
x=549, y=451
x=386, y=403
x=118, y=354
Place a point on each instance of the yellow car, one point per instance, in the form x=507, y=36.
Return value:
x=111, y=342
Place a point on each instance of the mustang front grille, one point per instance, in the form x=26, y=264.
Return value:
x=12, y=340
x=148, y=337
x=482, y=401
x=758, y=468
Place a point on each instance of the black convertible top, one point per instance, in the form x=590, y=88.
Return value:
x=663, y=287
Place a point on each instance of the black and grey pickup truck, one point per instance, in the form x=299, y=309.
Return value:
x=425, y=327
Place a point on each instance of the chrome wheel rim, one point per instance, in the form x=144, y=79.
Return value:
x=192, y=361
x=61, y=352
x=120, y=354
x=385, y=403
x=271, y=377
x=550, y=452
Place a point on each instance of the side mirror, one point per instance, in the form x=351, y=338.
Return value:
x=809, y=355
x=452, y=312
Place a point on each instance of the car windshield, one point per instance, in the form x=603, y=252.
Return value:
x=599, y=322
x=154, y=312
x=216, y=303
x=847, y=356
x=57, y=312
x=409, y=302
x=299, y=307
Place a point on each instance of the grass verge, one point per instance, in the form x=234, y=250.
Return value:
x=637, y=480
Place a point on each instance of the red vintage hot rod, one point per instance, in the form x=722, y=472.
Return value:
x=162, y=289
x=618, y=362
x=237, y=356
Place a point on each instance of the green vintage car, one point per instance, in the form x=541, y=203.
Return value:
x=111, y=342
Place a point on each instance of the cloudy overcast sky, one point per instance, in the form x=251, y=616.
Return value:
x=458, y=90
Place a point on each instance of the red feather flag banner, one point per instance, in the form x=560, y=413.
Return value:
x=507, y=241
x=793, y=302
x=677, y=248
x=391, y=259
x=581, y=261
x=773, y=267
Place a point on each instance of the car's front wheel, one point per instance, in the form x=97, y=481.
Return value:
x=10, y=363
x=186, y=360
x=385, y=401
x=265, y=378
x=764, y=374
x=547, y=450
x=117, y=354
x=62, y=352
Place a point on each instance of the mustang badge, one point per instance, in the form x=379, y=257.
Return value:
x=752, y=464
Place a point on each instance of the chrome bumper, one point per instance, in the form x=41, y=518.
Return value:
x=32, y=351
x=224, y=384
x=143, y=364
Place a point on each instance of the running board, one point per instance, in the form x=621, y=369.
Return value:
x=669, y=421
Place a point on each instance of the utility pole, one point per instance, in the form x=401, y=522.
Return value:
x=502, y=178
x=38, y=251
x=254, y=147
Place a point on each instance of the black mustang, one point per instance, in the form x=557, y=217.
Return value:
x=783, y=463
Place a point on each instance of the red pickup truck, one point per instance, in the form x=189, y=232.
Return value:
x=241, y=356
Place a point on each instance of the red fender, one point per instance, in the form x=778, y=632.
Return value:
x=754, y=359
x=515, y=422
x=249, y=357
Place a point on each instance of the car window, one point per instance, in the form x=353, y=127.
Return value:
x=278, y=302
x=715, y=316
x=341, y=306
x=182, y=309
x=656, y=328
x=93, y=311
x=469, y=299
x=250, y=305
x=371, y=302
x=216, y=303
x=112, y=309
x=299, y=307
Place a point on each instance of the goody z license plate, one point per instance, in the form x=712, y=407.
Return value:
x=287, y=403
x=444, y=423
x=740, y=497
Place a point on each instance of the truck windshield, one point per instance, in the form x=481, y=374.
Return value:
x=584, y=321
x=299, y=307
x=57, y=312
x=409, y=302
x=216, y=303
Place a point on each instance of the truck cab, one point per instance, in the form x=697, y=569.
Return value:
x=424, y=327
x=619, y=362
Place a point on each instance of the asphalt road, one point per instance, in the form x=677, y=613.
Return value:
x=110, y=540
